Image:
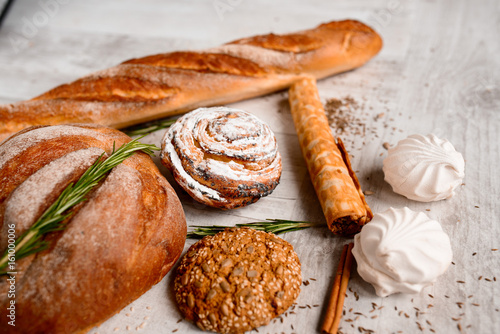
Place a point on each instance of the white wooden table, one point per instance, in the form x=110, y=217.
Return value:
x=439, y=72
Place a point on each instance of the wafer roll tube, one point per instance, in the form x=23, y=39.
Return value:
x=336, y=184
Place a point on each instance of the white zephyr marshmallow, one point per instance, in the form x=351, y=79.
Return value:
x=424, y=168
x=401, y=250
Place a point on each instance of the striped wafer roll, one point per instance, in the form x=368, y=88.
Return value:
x=336, y=185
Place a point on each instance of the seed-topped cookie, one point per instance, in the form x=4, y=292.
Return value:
x=237, y=280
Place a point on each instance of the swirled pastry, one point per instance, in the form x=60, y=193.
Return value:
x=223, y=157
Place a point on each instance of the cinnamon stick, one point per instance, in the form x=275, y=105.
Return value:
x=337, y=296
x=336, y=184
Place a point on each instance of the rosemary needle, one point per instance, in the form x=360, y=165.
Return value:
x=276, y=226
x=51, y=220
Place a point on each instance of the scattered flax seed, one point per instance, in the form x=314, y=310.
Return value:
x=427, y=209
x=312, y=279
x=175, y=330
x=461, y=282
x=374, y=316
x=468, y=326
x=446, y=296
x=474, y=254
x=480, y=278
x=470, y=296
x=316, y=305
x=179, y=320
x=494, y=249
x=406, y=315
x=430, y=305
x=148, y=307
x=453, y=263
x=459, y=327
x=476, y=304
x=476, y=206
x=460, y=304
x=416, y=308
x=431, y=295
x=419, y=326
x=306, y=283
x=487, y=279
x=128, y=328
x=291, y=326
x=495, y=279
x=456, y=319
x=432, y=330
x=428, y=322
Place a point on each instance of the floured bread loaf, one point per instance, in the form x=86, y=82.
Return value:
x=118, y=244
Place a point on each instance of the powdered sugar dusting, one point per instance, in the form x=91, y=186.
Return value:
x=22, y=142
x=263, y=57
x=24, y=204
x=225, y=143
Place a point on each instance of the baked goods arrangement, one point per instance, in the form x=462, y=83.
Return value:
x=130, y=230
x=167, y=84
x=225, y=158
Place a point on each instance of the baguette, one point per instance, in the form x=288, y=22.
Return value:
x=157, y=86
x=118, y=243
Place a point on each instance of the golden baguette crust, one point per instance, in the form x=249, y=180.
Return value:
x=119, y=243
x=336, y=184
x=162, y=85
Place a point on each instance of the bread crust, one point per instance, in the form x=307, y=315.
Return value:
x=119, y=243
x=157, y=86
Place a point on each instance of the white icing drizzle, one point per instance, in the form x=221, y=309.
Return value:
x=23, y=205
x=222, y=132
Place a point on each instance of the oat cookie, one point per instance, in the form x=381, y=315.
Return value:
x=237, y=280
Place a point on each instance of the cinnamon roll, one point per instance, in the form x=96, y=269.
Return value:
x=223, y=157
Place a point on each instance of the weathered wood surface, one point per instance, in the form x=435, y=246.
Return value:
x=439, y=72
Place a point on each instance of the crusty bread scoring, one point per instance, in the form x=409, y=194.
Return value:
x=162, y=85
x=119, y=243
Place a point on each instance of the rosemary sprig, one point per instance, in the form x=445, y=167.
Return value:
x=52, y=219
x=276, y=226
x=149, y=127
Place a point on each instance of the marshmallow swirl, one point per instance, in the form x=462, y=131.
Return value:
x=401, y=250
x=222, y=157
x=424, y=168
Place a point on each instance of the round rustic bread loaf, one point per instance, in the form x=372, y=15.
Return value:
x=118, y=244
